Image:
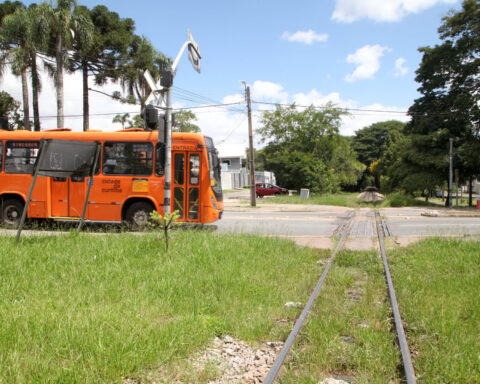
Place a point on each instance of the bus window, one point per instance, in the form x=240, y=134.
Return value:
x=20, y=156
x=160, y=159
x=179, y=169
x=194, y=168
x=1, y=155
x=127, y=158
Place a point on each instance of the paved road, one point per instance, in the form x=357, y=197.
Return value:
x=413, y=224
x=280, y=223
x=322, y=221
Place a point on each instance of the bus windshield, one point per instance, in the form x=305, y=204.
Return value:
x=215, y=169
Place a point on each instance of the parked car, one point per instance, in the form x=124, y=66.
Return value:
x=267, y=189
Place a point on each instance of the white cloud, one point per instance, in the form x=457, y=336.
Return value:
x=99, y=104
x=317, y=99
x=268, y=91
x=367, y=60
x=358, y=117
x=365, y=116
x=348, y=11
x=227, y=126
x=306, y=37
x=400, y=70
x=236, y=98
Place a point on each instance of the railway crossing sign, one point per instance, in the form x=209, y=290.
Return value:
x=194, y=52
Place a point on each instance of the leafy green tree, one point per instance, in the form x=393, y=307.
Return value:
x=9, y=110
x=101, y=54
x=305, y=149
x=184, y=122
x=450, y=101
x=370, y=144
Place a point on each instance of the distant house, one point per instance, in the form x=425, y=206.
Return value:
x=234, y=176
x=232, y=163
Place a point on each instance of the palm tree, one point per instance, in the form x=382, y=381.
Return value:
x=122, y=119
x=14, y=37
x=64, y=25
x=38, y=23
x=141, y=55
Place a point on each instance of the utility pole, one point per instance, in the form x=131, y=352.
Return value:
x=251, y=150
x=450, y=174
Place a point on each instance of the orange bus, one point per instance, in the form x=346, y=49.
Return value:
x=128, y=183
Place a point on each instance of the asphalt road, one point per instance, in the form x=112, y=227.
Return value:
x=318, y=221
x=280, y=223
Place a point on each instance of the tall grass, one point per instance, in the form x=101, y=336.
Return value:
x=94, y=309
x=437, y=284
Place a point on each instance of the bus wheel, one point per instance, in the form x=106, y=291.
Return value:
x=138, y=214
x=12, y=212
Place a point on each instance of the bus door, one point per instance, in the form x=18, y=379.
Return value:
x=68, y=196
x=186, y=184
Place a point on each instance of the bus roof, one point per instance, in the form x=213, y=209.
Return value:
x=124, y=135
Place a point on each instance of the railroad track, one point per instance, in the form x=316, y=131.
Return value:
x=354, y=226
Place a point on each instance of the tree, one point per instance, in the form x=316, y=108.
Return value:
x=184, y=122
x=122, y=119
x=305, y=150
x=136, y=122
x=14, y=37
x=450, y=103
x=64, y=25
x=141, y=55
x=9, y=110
x=38, y=22
x=100, y=56
x=27, y=29
x=370, y=144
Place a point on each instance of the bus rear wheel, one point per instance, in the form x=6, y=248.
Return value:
x=138, y=214
x=12, y=212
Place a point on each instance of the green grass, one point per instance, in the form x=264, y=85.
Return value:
x=95, y=309
x=349, y=331
x=344, y=199
x=437, y=283
x=337, y=199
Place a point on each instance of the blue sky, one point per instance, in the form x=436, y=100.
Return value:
x=359, y=54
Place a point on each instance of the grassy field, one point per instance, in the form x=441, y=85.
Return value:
x=351, y=332
x=96, y=309
x=438, y=283
x=344, y=199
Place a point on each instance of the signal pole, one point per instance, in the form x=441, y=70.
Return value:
x=251, y=150
x=164, y=87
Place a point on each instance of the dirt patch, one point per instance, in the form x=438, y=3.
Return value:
x=361, y=243
x=314, y=242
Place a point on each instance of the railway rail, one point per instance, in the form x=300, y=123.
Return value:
x=353, y=228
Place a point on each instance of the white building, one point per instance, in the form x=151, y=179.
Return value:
x=235, y=176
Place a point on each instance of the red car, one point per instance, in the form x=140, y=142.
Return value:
x=267, y=189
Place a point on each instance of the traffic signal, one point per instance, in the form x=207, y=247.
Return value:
x=150, y=115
